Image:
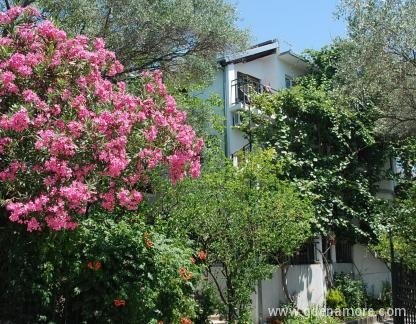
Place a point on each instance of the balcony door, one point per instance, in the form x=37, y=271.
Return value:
x=246, y=84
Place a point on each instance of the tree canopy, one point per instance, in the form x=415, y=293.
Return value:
x=241, y=217
x=181, y=37
x=330, y=152
x=378, y=63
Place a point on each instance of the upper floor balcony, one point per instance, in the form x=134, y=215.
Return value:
x=243, y=89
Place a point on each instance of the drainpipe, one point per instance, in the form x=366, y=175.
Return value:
x=393, y=266
x=225, y=93
x=260, y=301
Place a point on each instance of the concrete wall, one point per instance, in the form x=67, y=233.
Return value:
x=308, y=282
x=371, y=270
x=367, y=267
x=271, y=71
x=305, y=282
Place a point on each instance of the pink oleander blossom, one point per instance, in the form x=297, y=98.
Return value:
x=3, y=143
x=33, y=225
x=151, y=133
x=76, y=194
x=20, y=120
x=7, y=78
x=129, y=199
x=73, y=136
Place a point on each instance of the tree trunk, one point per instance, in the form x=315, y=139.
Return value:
x=285, y=269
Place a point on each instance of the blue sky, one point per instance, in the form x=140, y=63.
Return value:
x=297, y=24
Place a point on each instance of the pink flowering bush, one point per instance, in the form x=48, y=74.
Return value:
x=71, y=136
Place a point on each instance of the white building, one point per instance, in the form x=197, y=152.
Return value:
x=264, y=68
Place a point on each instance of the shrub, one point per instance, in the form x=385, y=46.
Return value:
x=353, y=290
x=208, y=303
x=104, y=272
x=70, y=135
x=384, y=300
x=314, y=317
x=335, y=299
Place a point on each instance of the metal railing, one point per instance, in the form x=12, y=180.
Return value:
x=404, y=293
x=243, y=90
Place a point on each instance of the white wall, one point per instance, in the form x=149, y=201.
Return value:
x=370, y=269
x=271, y=71
x=306, y=282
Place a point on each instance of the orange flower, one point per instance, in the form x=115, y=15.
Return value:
x=147, y=241
x=185, y=274
x=119, y=303
x=202, y=255
x=160, y=322
x=96, y=265
x=185, y=320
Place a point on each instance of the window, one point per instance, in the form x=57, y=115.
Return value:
x=239, y=155
x=289, y=81
x=343, y=251
x=305, y=255
x=245, y=85
x=236, y=115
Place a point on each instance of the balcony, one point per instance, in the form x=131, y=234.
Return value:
x=242, y=91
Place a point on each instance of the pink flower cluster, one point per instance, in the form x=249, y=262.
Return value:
x=72, y=136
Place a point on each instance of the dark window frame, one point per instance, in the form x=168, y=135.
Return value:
x=307, y=254
x=245, y=84
x=289, y=81
x=343, y=250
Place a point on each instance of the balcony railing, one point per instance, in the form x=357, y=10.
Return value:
x=242, y=90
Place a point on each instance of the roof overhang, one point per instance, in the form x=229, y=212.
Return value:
x=294, y=60
x=259, y=51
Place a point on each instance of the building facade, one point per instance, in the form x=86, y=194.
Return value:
x=264, y=68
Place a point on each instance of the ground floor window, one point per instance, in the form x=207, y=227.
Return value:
x=343, y=250
x=305, y=255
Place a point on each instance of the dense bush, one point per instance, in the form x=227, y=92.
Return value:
x=77, y=149
x=104, y=272
x=353, y=289
x=227, y=204
x=335, y=299
x=70, y=135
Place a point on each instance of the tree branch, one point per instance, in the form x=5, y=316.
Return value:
x=224, y=300
x=105, y=27
x=6, y=2
x=26, y=3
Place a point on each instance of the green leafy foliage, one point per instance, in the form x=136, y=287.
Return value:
x=335, y=299
x=240, y=217
x=314, y=317
x=330, y=154
x=397, y=226
x=377, y=64
x=105, y=271
x=352, y=289
x=180, y=37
